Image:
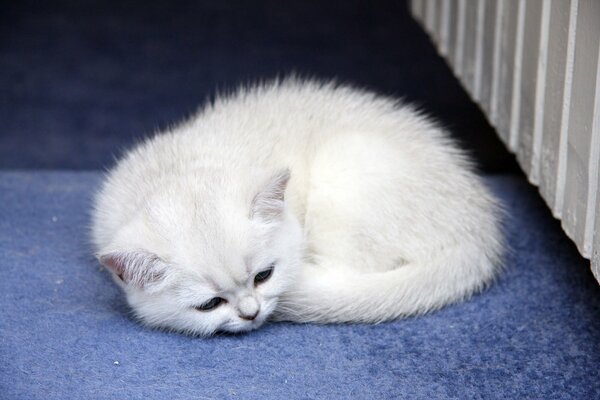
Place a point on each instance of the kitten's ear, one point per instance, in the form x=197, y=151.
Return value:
x=269, y=203
x=138, y=268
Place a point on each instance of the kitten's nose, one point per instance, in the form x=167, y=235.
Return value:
x=249, y=317
x=248, y=308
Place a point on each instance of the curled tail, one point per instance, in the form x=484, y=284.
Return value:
x=338, y=294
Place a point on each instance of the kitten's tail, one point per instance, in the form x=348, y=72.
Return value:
x=336, y=294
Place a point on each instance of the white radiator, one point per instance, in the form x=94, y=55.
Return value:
x=533, y=66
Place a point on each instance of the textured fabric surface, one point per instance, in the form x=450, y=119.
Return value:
x=65, y=331
x=83, y=79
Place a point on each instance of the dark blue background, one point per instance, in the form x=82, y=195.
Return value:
x=80, y=80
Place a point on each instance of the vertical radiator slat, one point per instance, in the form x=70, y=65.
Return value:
x=508, y=42
x=468, y=62
x=580, y=124
x=452, y=32
x=437, y=21
x=540, y=90
x=499, y=26
x=515, y=104
x=593, y=201
x=488, y=52
x=553, y=99
x=444, y=26
x=461, y=25
x=596, y=145
x=529, y=69
x=478, y=55
x=566, y=111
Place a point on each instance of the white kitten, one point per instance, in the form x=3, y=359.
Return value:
x=298, y=200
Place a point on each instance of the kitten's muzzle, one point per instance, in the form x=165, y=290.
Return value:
x=248, y=308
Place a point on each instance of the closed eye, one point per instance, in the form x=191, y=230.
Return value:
x=264, y=275
x=211, y=304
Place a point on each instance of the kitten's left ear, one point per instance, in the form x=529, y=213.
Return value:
x=269, y=203
x=137, y=268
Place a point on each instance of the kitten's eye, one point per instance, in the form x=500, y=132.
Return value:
x=263, y=276
x=211, y=304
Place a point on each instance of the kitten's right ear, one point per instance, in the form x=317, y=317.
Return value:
x=138, y=268
x=269, y=203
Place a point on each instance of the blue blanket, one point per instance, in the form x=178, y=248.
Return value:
x=66, y=332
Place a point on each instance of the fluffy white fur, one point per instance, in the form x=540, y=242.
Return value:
x=366, y=209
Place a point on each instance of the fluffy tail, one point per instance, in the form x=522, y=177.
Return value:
x=337, y=294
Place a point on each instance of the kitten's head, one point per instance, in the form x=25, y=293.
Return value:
x=205, y=258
